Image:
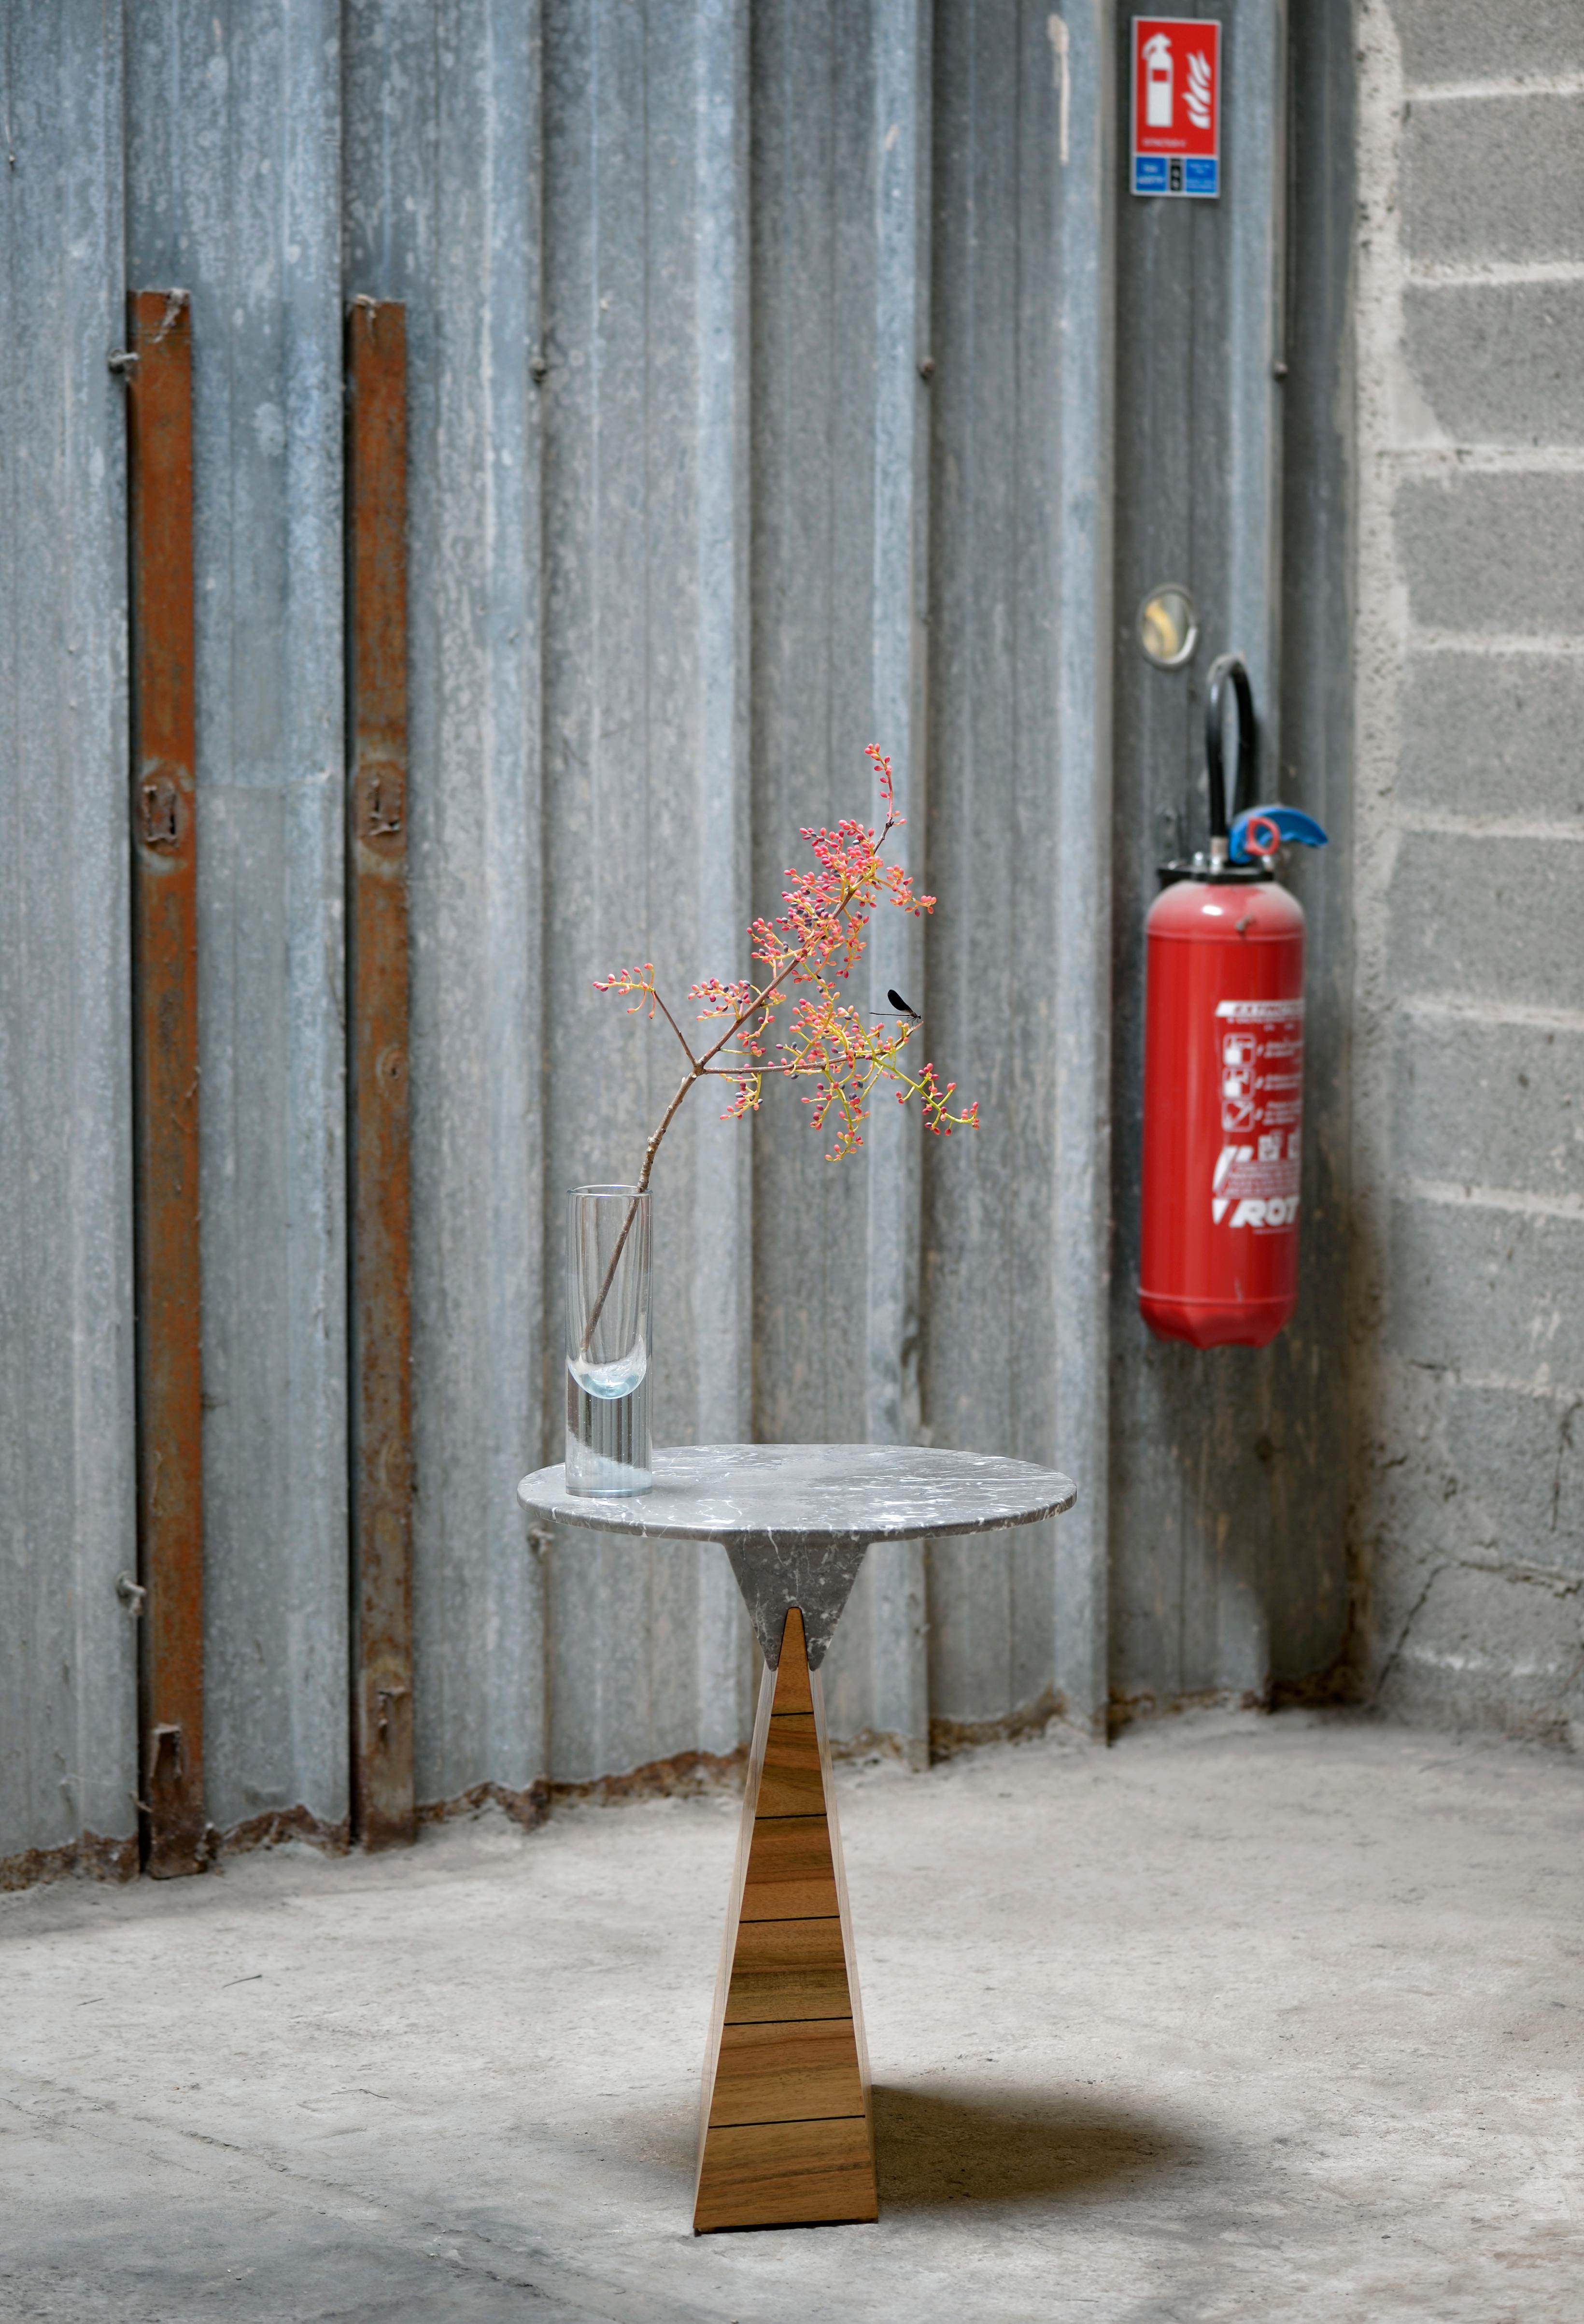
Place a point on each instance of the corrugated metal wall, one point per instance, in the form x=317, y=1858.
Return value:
x=761, y=378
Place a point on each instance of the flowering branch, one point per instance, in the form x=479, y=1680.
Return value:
x=804, y=953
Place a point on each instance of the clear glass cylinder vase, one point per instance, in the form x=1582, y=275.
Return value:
x=608, y=1446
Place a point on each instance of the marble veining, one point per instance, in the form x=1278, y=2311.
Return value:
x=773, y=1575
x=796, y=1519
x=799, y=1494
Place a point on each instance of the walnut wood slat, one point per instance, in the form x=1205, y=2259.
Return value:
x=784, y=2131
x=791, y=1783
x=785, y=1970
x=777, y=2174
x=790, y=1875
x=806, y=2071
x=382, y=1329
x=165, y=1076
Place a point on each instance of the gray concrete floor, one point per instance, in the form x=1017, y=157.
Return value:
x=1277, y=2018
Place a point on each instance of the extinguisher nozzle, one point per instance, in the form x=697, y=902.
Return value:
x=1261, y=830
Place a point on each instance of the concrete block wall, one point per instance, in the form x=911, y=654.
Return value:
x=1467, y=1292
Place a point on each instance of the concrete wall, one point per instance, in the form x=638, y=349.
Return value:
x=1469, y=1090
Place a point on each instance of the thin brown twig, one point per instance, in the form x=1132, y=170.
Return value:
x=671, y=1021
x=699, y=1067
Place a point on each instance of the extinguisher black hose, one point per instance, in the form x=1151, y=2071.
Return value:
x=1231, y=666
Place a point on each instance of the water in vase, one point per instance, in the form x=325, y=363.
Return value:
x=608, y=1442
x=608, y=1428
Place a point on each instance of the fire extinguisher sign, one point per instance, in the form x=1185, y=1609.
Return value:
x=1177, y=106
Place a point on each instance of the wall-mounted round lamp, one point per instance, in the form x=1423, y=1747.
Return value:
x=1168, y=626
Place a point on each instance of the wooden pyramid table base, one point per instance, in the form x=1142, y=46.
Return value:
x=786, y=2132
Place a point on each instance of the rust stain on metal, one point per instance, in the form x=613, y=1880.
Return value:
x=165, y=1027
x=381, y=1403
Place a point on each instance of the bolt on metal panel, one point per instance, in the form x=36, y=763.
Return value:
x=166, y=1079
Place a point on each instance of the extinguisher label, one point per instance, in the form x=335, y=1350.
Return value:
x=1254, y=1182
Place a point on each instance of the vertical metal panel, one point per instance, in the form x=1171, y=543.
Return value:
x=987, y=1288
x=378, y=1049
x=1083, y=360
x=608, y=1075
x=1173, y=1425
x=1015, y=1216
x=67, y=1669
x=443, y=173
x=842, y=140
x=1210, y=1465
x=1256, y=114
x=723, y=1165
x=882, y=1684
x=1307, y=1594
x=811, y=597
x=166, y=1080
x=646, y=812
x=234, y=191
x=1256, y=104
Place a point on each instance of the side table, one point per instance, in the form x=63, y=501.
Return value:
x=786, y=2128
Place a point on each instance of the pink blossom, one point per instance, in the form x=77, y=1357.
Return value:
x=805, y=953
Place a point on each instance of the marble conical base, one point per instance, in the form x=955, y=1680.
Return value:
x=816, y=1577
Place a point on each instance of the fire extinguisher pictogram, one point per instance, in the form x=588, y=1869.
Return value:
x=1223, y=1065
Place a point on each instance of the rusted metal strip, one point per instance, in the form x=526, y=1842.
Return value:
x=381, y=1402
x=165, y=1051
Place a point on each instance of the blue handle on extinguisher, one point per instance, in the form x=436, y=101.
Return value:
x=1288, y=822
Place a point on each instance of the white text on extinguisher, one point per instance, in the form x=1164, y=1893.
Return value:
x=1238, y=1163
x=1261, y=1044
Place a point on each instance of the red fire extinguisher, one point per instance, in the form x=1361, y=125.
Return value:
x=1223, y=1065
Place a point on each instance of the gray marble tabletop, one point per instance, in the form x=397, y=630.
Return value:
x=796, y=1519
